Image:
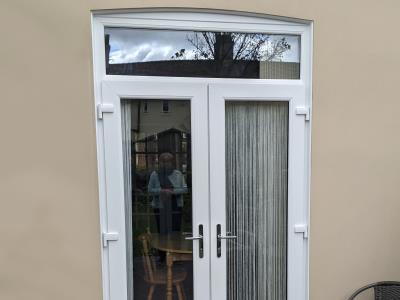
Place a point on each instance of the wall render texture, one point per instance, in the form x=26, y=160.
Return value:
x=49, y=224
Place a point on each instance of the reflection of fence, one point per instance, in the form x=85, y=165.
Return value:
x=210, y=68
x=279, y=70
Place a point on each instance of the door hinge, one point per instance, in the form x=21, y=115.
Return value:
x=104, y=108
x=303, y=111
x=301, y=228
x=109, y=236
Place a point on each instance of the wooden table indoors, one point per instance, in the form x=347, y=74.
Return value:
x=176, y=248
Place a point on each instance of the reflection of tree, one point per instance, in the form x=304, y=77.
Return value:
x=233, y=46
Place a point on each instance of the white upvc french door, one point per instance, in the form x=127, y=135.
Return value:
x=258, y=141
x=244, y=154
x=248, y=185
x=114, y=231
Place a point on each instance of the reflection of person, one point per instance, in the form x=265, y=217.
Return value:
x=167, y=187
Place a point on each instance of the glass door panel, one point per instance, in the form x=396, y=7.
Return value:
x=156, y=170
x=256, y=190
x=256, y=199
x=158, y=197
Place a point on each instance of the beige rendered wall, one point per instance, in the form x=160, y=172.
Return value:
x=49, y=224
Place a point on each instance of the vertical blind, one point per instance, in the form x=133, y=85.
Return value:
x=126, y=152
x=256, y=199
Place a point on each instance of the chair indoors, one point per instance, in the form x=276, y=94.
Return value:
x=154, y=275
x=383, y=290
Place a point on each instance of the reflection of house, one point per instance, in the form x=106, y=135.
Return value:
x=209, y=68
x=159, y=126
x=150, y=117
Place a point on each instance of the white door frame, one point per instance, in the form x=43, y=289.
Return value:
x=283, y=91
x=184, y=19
x=113, y=91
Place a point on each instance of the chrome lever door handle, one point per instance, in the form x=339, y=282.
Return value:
x=194, y=238
x=200, y=239
x=222, y=237
x=227, y=237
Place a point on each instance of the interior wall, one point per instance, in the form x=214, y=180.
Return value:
x=50, y=237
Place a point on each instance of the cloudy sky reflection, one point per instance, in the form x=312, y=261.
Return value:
x=139, y=45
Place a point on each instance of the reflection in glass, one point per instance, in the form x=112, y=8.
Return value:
x=157, y=177
x=151, y=52
x=256, y=199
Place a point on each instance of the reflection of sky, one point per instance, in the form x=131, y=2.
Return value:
x=136, y=45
